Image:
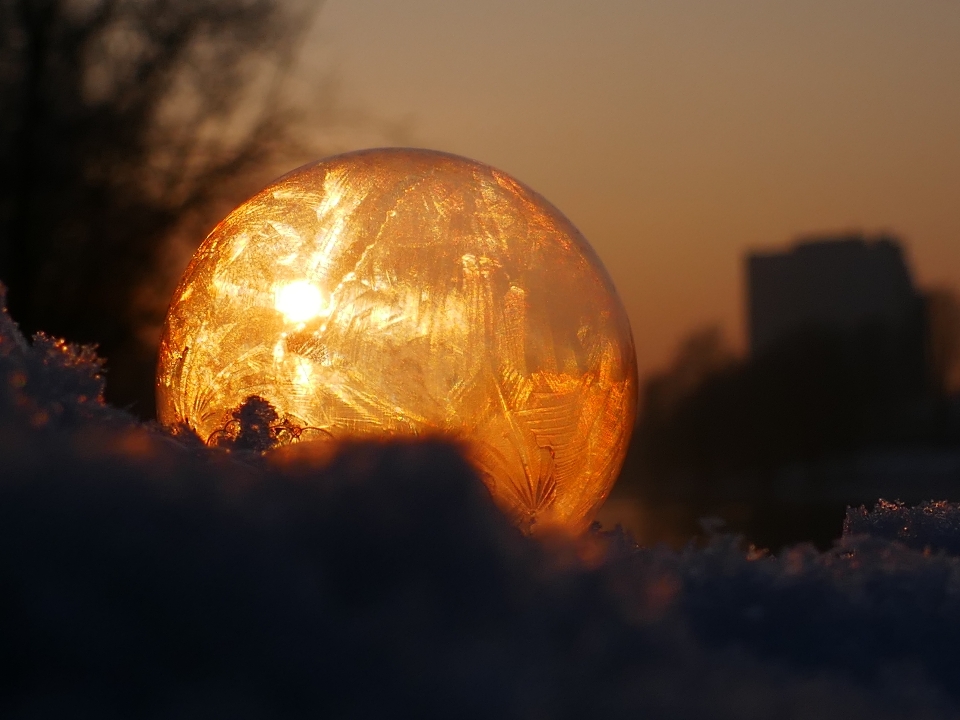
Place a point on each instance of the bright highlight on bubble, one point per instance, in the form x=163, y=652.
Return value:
x=299, y=301
x=407, y=293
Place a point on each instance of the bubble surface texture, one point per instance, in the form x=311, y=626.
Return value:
x=404, y=292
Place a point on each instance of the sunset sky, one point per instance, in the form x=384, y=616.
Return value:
x=678, y=134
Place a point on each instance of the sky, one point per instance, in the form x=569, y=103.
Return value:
x=680, y=134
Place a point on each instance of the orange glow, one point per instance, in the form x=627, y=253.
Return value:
x=299, y=301
x=404, y=293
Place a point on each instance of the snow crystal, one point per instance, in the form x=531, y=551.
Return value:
x=932, y=526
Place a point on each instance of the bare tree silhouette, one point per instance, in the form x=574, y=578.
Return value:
x=121, y=120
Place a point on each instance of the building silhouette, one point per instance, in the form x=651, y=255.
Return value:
x=840, y=324
x=840, y=284
x=844, y=398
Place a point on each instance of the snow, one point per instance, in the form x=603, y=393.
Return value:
x=144, y=575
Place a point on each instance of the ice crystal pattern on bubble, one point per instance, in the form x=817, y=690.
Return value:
x=403, y=292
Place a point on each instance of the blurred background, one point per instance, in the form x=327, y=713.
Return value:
x=773, y=188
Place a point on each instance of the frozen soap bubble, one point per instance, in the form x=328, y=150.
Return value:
x=404, y=292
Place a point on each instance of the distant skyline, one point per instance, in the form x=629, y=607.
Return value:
x=680, y=134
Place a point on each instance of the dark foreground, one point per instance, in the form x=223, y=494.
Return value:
x=143, y=576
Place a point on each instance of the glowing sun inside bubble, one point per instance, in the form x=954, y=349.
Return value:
x=299, y=301
x=402, y=293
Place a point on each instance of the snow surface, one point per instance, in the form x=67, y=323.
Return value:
x=143, y=575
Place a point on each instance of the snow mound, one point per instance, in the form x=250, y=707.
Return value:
x=933, y=526
x=144, y=575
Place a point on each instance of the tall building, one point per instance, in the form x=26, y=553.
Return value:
x=834, y=283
